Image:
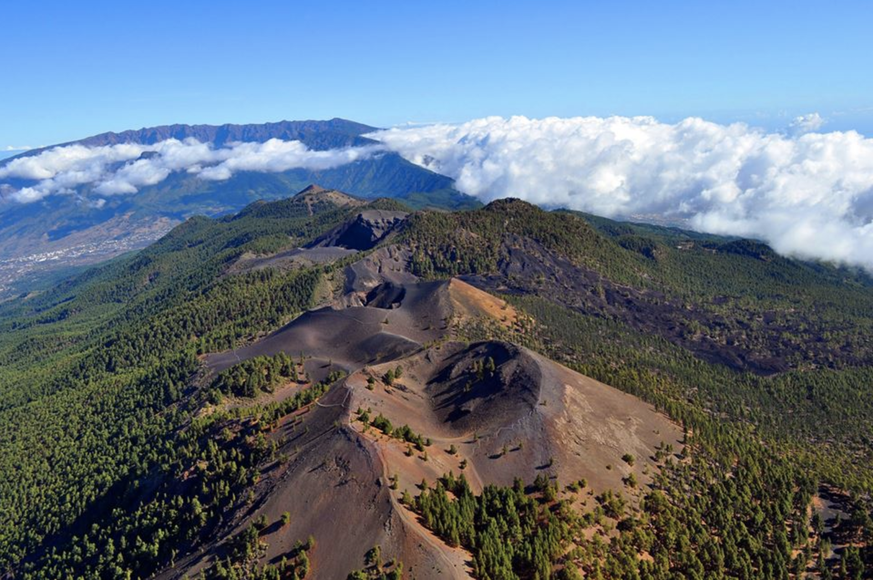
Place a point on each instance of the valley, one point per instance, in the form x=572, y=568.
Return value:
x=31, y=271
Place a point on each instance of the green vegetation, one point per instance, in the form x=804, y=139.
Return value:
x=242, y=561
x=217, y=460
x=747, y=308
x=510, y=533
x=703, y=519
x=95, y=416
x=376, y=569
x=117, y=464
x=759, y=439
x=665, y=374
x=261, y=373
x=736, y=506
x=392, y=375
x=271, y=412
x=711, y=320
x=403, y=433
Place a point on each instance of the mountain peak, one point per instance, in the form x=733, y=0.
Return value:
x=312, y=189
x=511, y=204
x=312, y=199
x=316, y=195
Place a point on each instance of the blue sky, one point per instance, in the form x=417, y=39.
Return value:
x=72, y=69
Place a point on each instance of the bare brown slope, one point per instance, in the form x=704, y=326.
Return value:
x=531, y=416
x=528, y=416
x=334, y=485
x=355, y=336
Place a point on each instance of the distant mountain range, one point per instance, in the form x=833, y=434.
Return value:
x=61, y=231
x=319, y=135
x=6, y=154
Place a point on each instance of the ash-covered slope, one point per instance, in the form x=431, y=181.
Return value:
x=364, y=232
x=507, y=412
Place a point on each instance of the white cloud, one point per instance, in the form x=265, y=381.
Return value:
x=73, y=163
x=807, y=194
x=806, y=124
x=276, y=156
x=27, y=195
x=124, y=169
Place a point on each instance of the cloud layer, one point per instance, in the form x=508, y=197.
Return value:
x=808, y=194
x=124, y=169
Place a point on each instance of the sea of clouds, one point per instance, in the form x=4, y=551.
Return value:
x=124, y=169
x=807, y=193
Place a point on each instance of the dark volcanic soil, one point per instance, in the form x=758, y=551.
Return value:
x=466, y=402
x=521, y=416
x=355, y=336
x=531, y=269
x=530, y=416
x=335, y=489
x=362, y=232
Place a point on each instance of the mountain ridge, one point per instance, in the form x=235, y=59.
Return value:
x=315, y=134
x=64, y=231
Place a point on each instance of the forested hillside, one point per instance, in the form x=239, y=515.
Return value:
x=119, y=458
x=752, y=336
x=95, y=372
